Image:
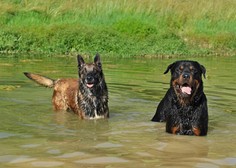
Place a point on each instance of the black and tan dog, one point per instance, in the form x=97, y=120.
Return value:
x=184, y=107
x=86, y=96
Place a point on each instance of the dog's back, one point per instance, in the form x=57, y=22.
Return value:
x=65, y=91
x=65, y=95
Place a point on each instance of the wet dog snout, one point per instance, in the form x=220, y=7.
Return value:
x=90, y=79
x=186, y=75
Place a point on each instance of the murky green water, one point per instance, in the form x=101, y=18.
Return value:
x=33, y=135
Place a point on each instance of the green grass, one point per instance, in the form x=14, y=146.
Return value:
x=118, y=27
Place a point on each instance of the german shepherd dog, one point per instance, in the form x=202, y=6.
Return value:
x=184, y=107
x=86, y=96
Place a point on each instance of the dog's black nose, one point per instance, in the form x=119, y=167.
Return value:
x=89, y=79
x=186, y=76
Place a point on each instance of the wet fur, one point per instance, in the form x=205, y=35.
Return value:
x=184, y=114
x=86, y=96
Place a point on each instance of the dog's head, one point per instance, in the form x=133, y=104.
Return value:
x=90, y=74
x=186, y=79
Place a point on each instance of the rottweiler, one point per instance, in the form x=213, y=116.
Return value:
x=184, y=107
x=86, y=96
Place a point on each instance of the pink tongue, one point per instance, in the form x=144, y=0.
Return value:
x=89, y=85
x=186, y=90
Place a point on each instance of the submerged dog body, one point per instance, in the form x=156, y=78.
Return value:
x=184, y=107
x=86, y=96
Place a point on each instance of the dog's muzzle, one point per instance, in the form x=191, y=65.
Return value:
x=89, y=81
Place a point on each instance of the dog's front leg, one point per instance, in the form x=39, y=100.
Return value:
x=196, y=131
x=173, y=125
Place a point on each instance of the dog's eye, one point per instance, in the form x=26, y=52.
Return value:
x=193, y=70
x=180, y=69
x=85, y=70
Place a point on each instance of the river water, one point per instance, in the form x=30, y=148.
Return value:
x=33, y=135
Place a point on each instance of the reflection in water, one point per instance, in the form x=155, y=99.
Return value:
x=33, y=135
x=102, y=160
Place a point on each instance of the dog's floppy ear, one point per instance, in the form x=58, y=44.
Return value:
x=169, y=67
x=97, y=60
x=80, y=61
x=203, y=69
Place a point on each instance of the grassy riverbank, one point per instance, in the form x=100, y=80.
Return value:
x=118, y=27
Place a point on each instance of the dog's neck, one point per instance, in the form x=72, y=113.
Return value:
x=93, y=102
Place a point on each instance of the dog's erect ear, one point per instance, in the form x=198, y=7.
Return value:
x=80, y=61
x=97, y=60
x=169, y=67
x=203, y=69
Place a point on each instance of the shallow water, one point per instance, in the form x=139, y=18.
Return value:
x=33, y=135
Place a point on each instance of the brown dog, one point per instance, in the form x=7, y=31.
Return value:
x=86, y=96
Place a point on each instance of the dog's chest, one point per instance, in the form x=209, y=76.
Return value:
x=186, y=112
x=92, y=107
